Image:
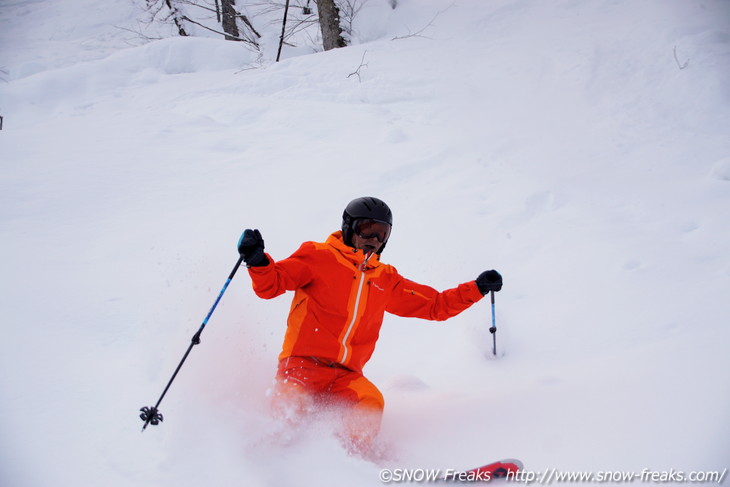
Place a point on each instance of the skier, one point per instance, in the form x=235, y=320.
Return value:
x=341, y=291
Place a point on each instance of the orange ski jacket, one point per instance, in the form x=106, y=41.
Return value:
x=339, y=300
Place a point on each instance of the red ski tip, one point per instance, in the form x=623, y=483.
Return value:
x=491, y=471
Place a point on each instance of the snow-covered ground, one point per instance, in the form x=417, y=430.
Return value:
x=581, y=148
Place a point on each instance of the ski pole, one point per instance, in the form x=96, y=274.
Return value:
x=152, y=415
x=493, y=329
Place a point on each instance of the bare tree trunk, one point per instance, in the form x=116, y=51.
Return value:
x=177, y=17
x=329, y=22
x=229, y=20
x=283, y=30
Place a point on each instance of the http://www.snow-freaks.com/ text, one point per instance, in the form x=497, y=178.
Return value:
x=554, y=476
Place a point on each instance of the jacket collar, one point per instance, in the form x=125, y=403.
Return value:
x=356, y=256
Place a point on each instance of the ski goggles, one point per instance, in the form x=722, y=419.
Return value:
x=367, y=228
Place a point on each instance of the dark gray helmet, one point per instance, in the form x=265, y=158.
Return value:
x=366, y=207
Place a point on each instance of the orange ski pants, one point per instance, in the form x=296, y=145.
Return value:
x=305, y=385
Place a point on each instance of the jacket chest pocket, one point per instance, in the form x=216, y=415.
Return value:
x=377, y=298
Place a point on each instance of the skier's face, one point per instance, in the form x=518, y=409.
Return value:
x=368, y=228
x=369, y=235
x=367, y=245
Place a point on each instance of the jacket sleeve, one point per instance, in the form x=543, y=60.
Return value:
x=410, y=299
x=276, y=278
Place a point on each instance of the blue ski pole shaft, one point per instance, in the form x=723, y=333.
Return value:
x=196, y=337
x=493, y=329
x=152, y=415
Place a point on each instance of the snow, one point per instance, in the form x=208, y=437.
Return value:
x=581, y=148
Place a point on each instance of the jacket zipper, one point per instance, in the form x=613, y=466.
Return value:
x=355, y=310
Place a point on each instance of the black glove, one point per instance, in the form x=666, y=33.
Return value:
x=251, y=247
x=489, y=281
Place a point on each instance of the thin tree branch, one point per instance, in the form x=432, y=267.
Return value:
x=249, y=24
x=430, y=24
x=357, y=71
x=248, y=41
x=681, y=65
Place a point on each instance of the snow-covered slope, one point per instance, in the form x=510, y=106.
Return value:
x=581, y=148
